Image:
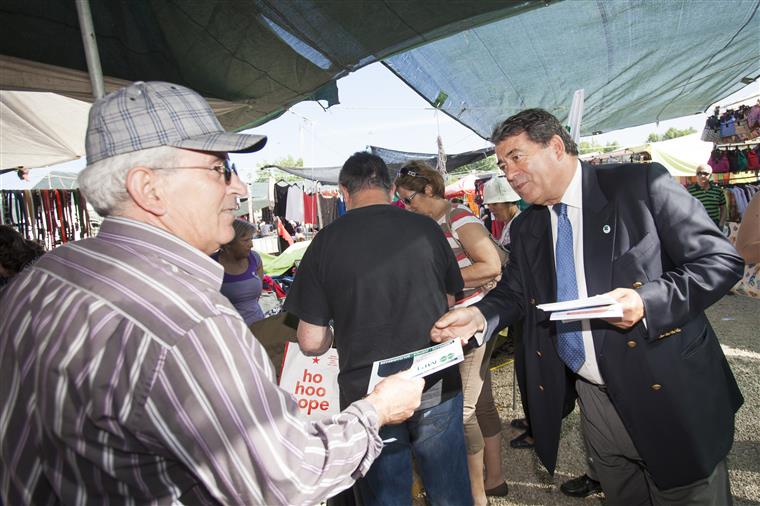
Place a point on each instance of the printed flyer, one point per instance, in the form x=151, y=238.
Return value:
x=420, y=363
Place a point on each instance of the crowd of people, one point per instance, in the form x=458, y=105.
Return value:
x=128, y=372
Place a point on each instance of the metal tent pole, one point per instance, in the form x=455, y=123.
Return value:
x=90, y=48
x=250, y=201
x=576, y=115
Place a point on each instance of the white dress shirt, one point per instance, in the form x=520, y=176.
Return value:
x=573, y=198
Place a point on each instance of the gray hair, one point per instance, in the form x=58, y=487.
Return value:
x=104, y=183
x=540, y=126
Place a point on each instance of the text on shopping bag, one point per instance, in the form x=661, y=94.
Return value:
x=313, y=381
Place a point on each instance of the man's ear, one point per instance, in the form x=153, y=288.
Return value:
x=428, y=190
x=557, y=146
x=145, y=187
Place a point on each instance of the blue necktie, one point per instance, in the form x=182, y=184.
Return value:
x=569, y=338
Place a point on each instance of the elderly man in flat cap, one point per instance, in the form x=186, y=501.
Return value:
x=125, y=375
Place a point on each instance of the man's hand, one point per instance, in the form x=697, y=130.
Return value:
x=396, y=397
x=633, y=307
x=459, y=323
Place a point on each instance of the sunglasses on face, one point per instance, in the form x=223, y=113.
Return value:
x=406, y=171
x=703, y=174
x=408, y=200
x=224, y=167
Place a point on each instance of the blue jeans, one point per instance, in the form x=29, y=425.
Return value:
x=436, y=437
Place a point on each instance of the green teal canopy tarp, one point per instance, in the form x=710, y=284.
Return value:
x=276, y=265
x=262, y=55
x=638, y=62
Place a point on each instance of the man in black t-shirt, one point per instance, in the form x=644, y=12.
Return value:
x=382, y=275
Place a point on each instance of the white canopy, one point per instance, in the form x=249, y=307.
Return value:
x=40, y=129
x=680, y=156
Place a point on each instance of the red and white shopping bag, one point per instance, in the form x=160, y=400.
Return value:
x=313, y=381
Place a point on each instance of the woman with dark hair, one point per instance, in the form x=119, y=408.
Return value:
x=16, y=253
x=422, y=188
x=242, y=272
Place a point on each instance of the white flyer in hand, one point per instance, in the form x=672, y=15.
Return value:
x=611, y=311
x=420, y=363
x=598, y=306
x=596, y=300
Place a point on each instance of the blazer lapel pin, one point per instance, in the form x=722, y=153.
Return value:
x=606, y=229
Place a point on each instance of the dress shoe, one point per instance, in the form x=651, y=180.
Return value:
x=498, y=491
x=582, y=486
x=519, y=423
x=521, y=441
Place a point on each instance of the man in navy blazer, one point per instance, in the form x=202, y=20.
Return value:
x=656, y=394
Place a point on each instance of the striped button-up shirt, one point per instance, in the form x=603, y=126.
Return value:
x=127, y=378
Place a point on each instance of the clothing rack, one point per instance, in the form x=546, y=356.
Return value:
x=744, y=177
x=738, y=184
x=52, y=217
x=753, y=142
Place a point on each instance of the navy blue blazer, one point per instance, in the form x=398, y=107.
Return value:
x=668, y=379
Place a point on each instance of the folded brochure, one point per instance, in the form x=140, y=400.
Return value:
x=420, y=363
x=598, y=306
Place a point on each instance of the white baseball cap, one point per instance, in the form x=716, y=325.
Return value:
x=497, y=190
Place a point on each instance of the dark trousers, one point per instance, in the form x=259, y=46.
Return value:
x=623, y=474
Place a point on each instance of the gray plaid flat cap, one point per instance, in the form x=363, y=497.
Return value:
x=152, y=114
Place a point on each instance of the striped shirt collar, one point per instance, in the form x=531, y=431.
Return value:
x=156, y=241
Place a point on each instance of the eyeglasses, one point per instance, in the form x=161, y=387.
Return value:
x=406, y=171
x=408, y=200
x=223, y=167
x=703, y=173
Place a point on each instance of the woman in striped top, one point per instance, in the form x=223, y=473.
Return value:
x=422, y=188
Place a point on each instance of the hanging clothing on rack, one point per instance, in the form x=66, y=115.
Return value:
x=280, y=198
x=294, y=208
x=341, y=207
x=329, y=209
x=310, y=208
x=51, y=217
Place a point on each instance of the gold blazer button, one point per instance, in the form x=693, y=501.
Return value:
x=631, y=343
x=656, y=386
x=637, y=284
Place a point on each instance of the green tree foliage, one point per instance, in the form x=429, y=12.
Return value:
x=262, y=174
x=593, y=146
x=671, y=133
x=487, y=164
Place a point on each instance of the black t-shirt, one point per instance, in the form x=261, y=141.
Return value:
x=382, y=274
x=280, y=200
